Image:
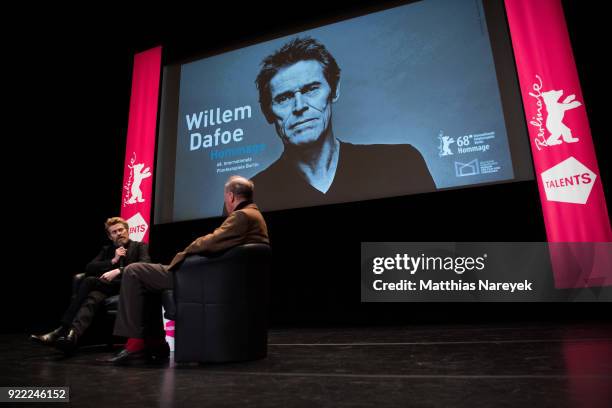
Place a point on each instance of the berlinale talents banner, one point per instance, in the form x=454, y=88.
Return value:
x=140, y=151
x=571, y=193
x=140, y=148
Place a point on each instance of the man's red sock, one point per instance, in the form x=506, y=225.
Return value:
x=133, y=344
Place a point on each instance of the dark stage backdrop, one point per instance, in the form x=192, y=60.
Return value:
x=72, y=93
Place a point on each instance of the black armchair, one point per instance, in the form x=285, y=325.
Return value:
x=222, y=305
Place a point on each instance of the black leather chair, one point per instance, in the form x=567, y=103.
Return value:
x=222, y=306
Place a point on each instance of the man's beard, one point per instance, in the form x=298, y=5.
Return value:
x=121, y=242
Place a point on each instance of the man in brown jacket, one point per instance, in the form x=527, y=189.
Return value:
x=244, y=225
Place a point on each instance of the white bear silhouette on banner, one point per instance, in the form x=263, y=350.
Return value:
x=556, y=112
x=139, y=175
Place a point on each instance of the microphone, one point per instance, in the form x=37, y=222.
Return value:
x=122, y=259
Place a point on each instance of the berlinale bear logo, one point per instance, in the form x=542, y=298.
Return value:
x=139, y=175
x=133, y=193
x=554, y=120
x=444, y=147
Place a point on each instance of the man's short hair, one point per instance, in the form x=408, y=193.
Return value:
x=115, y=220
x=240, y=186
x=296, y=50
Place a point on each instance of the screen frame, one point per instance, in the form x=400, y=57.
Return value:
x=505, y=70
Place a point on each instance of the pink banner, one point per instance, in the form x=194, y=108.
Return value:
x=140, y=148
x=140, y=152
x=566, y=168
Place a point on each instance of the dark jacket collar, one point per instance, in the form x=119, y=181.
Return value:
x=243, y=204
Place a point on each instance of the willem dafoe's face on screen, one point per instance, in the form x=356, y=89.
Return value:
x=301, y=102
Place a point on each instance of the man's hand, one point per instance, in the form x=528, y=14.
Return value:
x=119, y=252
x=110, y=275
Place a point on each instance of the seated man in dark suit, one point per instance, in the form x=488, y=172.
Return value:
x=244, y=225
x=102, y=280
x=297, y=86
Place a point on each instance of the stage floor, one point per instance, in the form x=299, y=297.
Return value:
x=514, y=365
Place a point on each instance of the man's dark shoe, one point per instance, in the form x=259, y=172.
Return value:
x=68, y=343
x=50, y=338
x=158, y=354
x=125, y=357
